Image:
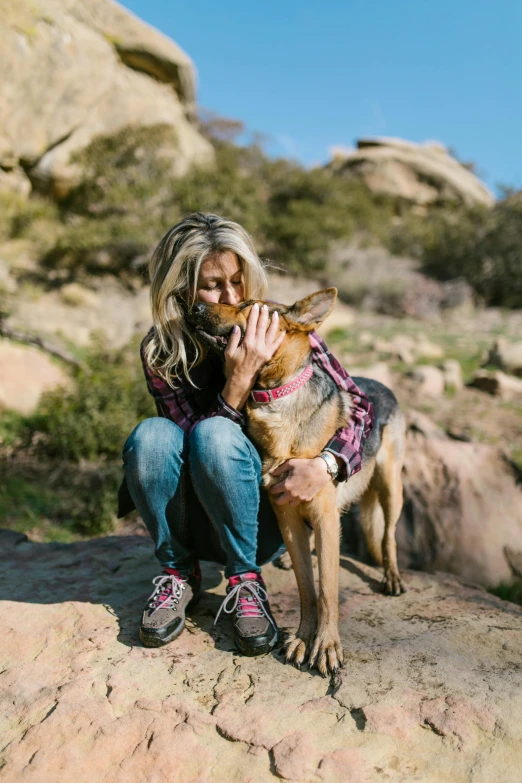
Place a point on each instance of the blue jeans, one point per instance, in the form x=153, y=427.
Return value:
x=200, y=496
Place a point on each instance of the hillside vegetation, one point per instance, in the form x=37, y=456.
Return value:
x=128, y=198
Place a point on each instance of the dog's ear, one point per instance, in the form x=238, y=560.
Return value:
x=311, y=311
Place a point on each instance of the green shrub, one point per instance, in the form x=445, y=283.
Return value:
x=94, y=418
x=309, y=210
x=93, y=507
x=483, y=246
x=509, y=591
x=235, y=186
x=60, y=501
x=33, y=218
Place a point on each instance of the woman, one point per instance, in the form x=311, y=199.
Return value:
x=192, y=473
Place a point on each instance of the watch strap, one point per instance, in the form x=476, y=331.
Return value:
x=331, y=463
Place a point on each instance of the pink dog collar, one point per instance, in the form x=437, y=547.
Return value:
x=271, y=395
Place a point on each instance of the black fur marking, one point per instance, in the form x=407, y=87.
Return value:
x=384, y=406
x=383, y=400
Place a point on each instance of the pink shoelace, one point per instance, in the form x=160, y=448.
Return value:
x=167, y=592
x=249, y=605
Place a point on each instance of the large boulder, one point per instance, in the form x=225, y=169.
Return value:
x=71, y=71
x=419, y=173
x=431, y=689
x=25, y=373
x=428, y=381
x=463, y=506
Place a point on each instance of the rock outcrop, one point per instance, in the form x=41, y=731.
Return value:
x=120, y=313
x=506, y=356
x=419, y=173
x=431, y=689
x=24, y=374
x=496, y=382
x=71, y=71
x=463, y=506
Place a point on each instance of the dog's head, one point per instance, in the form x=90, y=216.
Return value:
x=213, y=323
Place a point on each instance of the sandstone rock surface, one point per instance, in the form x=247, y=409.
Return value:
x=452, y=371
x=76, y=312
x=70, y=71
x=431, y=690
x=377, y=372
x=25, y=373
x=419, y=173
x=463, y=506
x=429, y=381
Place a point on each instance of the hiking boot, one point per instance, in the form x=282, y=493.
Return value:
x=255, y=630
x=163, y=618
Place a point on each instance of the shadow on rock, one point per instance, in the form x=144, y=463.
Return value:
x=374, y=584
x=114, y=571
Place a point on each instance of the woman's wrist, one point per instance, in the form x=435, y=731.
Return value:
x=236, y=391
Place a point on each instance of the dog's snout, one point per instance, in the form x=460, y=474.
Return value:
x=198, y=309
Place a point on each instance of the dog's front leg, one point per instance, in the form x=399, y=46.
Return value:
x=296, y=536
x=327, y=651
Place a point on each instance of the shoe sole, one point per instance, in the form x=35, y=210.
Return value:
x=251, y=650
x=151, y=640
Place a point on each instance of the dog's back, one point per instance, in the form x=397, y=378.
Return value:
x=385, y=409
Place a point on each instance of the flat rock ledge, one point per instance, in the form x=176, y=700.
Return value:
x=431, y=690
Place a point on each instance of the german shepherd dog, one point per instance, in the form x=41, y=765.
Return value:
x=300, y=425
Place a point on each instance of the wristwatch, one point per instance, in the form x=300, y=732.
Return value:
x=331, y=464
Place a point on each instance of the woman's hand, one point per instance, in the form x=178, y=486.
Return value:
x=245, y=358
x=303, y=480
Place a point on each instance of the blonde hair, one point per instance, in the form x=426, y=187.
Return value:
x=174, y=270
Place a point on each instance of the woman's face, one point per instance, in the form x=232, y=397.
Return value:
x=221, y=279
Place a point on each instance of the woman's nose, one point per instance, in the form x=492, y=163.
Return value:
x=229, y=296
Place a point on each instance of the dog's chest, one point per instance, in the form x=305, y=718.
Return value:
x=299, y=425
x=273, y=428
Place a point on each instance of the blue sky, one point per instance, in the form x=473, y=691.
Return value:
x=311, y=75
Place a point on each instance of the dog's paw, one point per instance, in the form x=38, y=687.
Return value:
x=297, y=647
x=327, y=653
x=283, y=561
x=393, y=584
x=296, y=651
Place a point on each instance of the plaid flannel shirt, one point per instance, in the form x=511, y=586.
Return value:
x=186, y=405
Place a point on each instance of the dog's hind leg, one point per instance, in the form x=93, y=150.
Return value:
x=372, y=521
x=327, y=651
x=389, y=482
x=296, y=536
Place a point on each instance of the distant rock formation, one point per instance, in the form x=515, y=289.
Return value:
x=71, y=71
x=420, y=173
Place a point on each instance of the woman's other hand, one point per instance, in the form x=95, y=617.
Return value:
x=244, y=358
x=302, y=480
